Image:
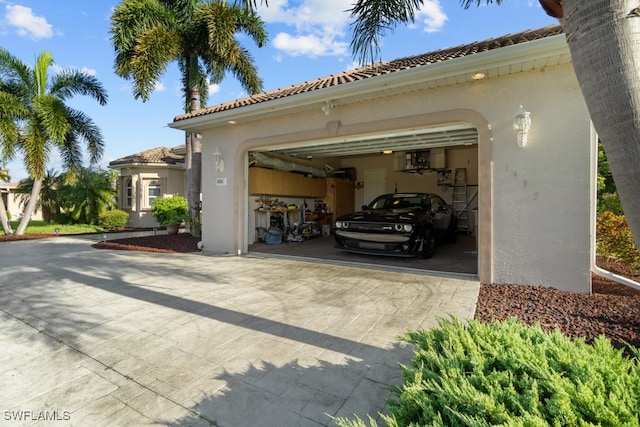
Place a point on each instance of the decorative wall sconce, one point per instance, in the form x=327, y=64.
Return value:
x=218, y=160
x=522, y=124
x=327, y=107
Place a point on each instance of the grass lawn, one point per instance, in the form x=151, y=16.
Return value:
x=41, y=227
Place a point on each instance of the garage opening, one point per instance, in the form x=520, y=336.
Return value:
x=300, y=189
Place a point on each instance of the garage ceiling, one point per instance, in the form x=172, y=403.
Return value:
x=415, y=139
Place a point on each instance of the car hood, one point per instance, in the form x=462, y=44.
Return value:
x=384, y=215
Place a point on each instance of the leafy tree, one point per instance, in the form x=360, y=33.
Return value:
x=48, y=199
x=34, y=118
x=603, y=38
x=87, y=194
x=148, y=35
x=6, y=227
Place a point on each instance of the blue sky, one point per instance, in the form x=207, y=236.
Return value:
x=307, y=39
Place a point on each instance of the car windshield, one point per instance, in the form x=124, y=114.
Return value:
x=400, y=201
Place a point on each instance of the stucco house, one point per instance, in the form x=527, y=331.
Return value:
x=13, y=204
x=145, y=176
x=530, y=193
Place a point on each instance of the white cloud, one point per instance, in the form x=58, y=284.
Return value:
x=26, y=23
x=309, y=45
x=213, y=88
x=58, y=69
x=432, y=16
x=88, y=71
x=159, y=87
x=318, y=27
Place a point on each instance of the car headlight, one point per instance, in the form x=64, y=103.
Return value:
x=342, y=224
x=403, y=227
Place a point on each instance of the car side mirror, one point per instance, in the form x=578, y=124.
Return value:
x=365, y=207
x=442, y=208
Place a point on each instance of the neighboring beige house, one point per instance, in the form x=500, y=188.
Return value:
x=145, y=176
x=12, y=202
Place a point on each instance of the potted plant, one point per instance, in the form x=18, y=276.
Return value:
x=170, y=212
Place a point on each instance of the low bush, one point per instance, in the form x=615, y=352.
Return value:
x=509, y=374
x=113, y=219
x=614, y=240
x=170, y=210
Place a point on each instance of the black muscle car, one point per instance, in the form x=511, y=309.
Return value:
x=400, y=224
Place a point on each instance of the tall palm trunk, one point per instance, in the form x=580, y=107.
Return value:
x=605, y=47
x=194, y=164
x=6, y=227
x=30, y=208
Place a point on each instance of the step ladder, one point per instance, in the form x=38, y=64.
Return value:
x=460, y=200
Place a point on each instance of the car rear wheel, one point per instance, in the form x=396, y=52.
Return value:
x=452, y=232
x=428, y=244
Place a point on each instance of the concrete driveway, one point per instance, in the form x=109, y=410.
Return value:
x=100, y=337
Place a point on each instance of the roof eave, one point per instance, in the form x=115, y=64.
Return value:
x=467, y=65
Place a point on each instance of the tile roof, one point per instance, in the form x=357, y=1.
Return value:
x=382, y=69
x=159, y=155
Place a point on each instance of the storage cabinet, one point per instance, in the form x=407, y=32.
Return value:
x=278, y=183
x=340, y=196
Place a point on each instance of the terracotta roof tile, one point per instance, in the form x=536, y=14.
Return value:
x=382, y=69
x=155, y=155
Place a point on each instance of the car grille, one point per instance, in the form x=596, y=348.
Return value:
x=372, y=226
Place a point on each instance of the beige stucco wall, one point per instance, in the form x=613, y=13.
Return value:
x=533, y=201
x=172, y=180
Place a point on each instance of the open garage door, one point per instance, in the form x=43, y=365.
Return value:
x=319, y=181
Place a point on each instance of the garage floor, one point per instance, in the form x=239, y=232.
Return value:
x=461, y=257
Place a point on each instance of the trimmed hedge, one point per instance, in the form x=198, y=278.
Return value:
x=113, y=219
x=509, y=374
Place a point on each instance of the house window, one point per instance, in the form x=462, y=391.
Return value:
x=127, y=197
x=154, y=190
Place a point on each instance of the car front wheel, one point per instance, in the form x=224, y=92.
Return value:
x=428, y=244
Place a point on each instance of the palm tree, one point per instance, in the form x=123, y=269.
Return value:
x=48, y=200
x=148, y=35
x=604, y=41
x=34, y=118
x=6, y=227
x=87, y=194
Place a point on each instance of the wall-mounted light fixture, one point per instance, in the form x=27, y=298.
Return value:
x=477, y=76
x=522, y=124
x=387, y=152
x=327, y=107
x=218, y=160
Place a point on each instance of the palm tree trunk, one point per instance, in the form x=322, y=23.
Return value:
x=30, y=208
x=604, y=40
x=194, y=165
x=6, y=227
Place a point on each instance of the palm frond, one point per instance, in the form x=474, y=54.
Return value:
x=41, y=71
x=83, y=128
x=155, y=50
x=68, y=83
x=52, y=115
x=467, y=3
x=372, y=19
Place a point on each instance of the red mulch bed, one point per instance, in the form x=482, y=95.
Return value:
x=612, y=309
x=163, y=243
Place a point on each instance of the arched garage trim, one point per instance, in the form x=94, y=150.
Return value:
x=335, y=129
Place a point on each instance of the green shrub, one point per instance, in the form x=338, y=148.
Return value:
x=113, y=219
x=614, y=240
x=610, y=203
x=508, y=374
x=62, y=218
x=170, y=210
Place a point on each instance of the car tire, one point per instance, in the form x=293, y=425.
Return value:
x=428, y=244
x=452, y=232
